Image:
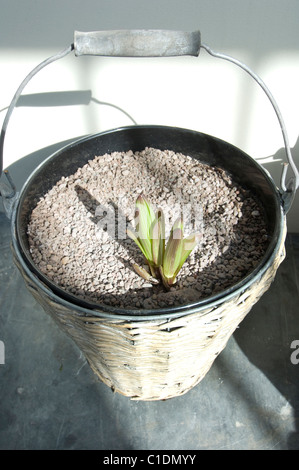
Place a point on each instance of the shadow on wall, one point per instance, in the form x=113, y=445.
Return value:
x=21, y=169
x=64, y=98
x=273, y=165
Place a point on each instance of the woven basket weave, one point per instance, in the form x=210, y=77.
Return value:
x=159, y=359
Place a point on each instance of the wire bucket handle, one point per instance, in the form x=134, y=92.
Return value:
x=145, y=43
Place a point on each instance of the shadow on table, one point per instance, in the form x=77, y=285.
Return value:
x=266, y=334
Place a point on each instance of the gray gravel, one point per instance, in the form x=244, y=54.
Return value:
x=72, y=237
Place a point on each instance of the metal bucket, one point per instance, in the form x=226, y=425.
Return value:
x=161, y=353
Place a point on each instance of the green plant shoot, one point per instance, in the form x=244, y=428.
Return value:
x=164, y=262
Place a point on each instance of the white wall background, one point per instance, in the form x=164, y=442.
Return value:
x=204, y=94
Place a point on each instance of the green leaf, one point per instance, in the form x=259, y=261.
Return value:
x=178, y=223
x=144, y=274
x=164, y=262
x=134, y=237
x=173, y=250
x=177, y=251
x=145, y=217
x=189, y=244
x=157, y=235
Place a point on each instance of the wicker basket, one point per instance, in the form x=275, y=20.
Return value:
x=157, y=359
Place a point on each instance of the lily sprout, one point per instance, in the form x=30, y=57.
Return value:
x=165, y=261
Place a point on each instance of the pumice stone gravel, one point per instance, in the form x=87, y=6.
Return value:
x=77, y=231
